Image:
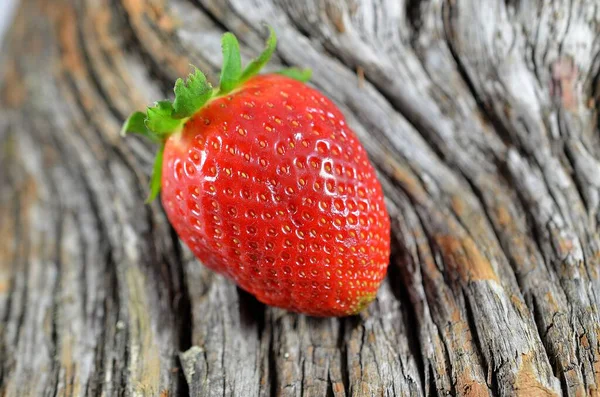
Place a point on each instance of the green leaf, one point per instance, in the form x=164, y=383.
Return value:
x=232, y=63
x=160, y=120
x=302, y=75
x=155, y=179
x=136, y=124
x=191, y=95
x=258, y=63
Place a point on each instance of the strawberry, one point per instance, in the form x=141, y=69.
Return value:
x=265, y=182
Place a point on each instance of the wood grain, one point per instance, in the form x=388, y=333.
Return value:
x=480, y=115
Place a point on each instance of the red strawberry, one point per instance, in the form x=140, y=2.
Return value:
x=267, y=185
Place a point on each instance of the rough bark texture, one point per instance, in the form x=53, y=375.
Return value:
x=481, y=116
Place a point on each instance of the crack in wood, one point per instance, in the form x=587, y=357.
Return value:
x=482, y=182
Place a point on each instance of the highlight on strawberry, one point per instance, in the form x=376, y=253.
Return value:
x=265, y=182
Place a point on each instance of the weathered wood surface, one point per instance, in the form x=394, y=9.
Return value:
x=480, y=115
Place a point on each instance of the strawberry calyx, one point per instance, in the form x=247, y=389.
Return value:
x=165, y=117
